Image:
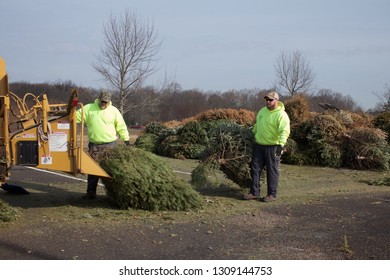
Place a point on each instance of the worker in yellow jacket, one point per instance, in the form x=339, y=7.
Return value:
x=104, y=123
x=271, y=132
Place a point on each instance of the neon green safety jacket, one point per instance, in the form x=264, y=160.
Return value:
x=103, y=125
x=272, y=126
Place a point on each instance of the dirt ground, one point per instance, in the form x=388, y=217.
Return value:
x=320, y=214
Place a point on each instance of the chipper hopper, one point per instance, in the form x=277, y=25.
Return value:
x=34, y=132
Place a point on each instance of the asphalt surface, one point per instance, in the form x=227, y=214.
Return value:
x=27, y=173
x=337, y=228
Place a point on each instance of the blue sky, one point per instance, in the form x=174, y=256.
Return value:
x=207, y=44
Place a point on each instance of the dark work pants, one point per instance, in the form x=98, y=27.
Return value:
x=93, y=149
x=264, y=156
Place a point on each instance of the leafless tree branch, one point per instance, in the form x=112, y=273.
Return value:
x=384, y=99
x=128, y=56
x=293, y=72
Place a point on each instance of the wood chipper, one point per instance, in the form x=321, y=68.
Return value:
x=34, y=132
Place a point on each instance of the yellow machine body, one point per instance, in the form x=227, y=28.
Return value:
x=44, y=136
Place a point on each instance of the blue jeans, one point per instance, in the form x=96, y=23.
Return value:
x=264, y=156
x=92, y=180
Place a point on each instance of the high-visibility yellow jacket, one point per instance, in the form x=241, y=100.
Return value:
x=103, y=125
x=272, y=126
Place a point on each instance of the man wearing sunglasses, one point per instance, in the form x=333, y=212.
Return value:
x=271, y=131
x=104, y=122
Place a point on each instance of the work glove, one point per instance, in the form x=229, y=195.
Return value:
x=127, y=143
x=279, y=151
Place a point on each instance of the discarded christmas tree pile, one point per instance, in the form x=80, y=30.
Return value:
x=190, y=138
x=222, y=139
x=229, y=150
x=142, y=180
x=335, y=138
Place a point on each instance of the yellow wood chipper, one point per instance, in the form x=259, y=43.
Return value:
x=34, y=132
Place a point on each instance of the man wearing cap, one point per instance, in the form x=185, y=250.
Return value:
x=271, y=131
x=104, y=122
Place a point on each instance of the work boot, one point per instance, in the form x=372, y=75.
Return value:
x=269, y=198
x=250, y=196
x=89, y=195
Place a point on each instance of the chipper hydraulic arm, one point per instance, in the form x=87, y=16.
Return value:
x=37, y=133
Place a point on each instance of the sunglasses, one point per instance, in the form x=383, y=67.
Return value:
x=269, y=100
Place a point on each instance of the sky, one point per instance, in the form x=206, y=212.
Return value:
x=210, y=45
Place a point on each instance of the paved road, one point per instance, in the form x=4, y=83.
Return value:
x=26, y=173
x=326, y=229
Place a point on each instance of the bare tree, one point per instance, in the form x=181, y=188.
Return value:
x=384, y=100
x=128, y=57
x=331, y=98
x=293, y=72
